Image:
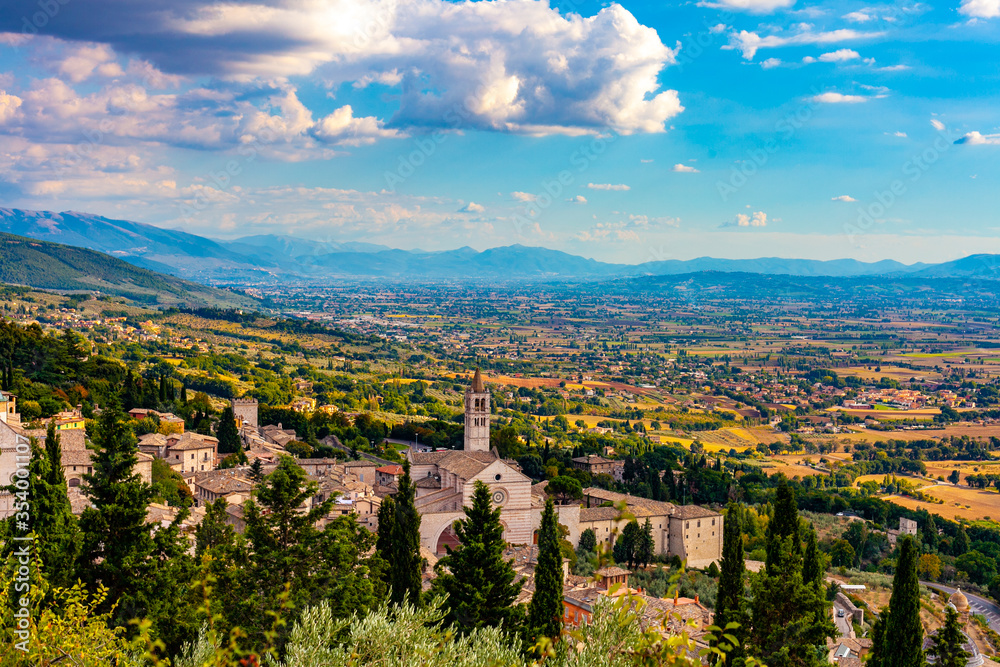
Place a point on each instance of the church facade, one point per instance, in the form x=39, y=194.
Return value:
x=445, y=481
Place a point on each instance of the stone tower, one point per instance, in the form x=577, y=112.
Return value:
x=477, y=416
x=245, y=411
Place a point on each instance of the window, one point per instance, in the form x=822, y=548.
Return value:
x=498, y=477
x=713, y=522
x=699, y=524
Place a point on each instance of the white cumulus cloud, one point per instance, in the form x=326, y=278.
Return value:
x=523, y=196
x=839, y=56
x=748, y=43
x=608, y=186
x=976, y=138
x=858, y=17
x=770, y=63
x=472, y=207
x=752, y=6
x=938, y=125
x=9, y=104
x=838, y=98
x=754, y=219
x=578, y=199
x=843, y=198
x=343, y=128
x=980, y=9
x=684, y=169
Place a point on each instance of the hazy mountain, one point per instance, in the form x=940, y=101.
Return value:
x=973, y=266
x=282, y=257
x=45, y=265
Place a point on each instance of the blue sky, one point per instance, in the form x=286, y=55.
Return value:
x=625, y=132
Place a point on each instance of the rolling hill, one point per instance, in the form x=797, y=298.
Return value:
x=276, y=258
x=52, y=266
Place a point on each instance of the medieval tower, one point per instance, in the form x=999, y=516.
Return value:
x=477, y=416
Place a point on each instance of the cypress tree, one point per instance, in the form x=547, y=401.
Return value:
x=479, y=582
x=784, y=524
x=227, y=433
x=655, y=487
x=949, y=642
x=961, y=543
x=116, y=542
x=668, y=476
x=903, y=635
x=791, y=619
x=645, y=550
x=812, y=566
x=184, y=394
x=546, y=609
x=404, y=549
x=386, y=521
x=730, y=603
x=930, y=534
x=52, y=519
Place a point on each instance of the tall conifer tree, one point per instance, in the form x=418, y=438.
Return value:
x=479, y=582
x=116, y=542
x=404, y=549
x=949, y=642
x=52, y=519
x=730, y=603
x=546, y=608
x=901, y=644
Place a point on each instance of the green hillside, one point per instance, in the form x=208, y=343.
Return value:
x=52, y=266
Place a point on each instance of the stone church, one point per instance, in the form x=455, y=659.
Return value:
x=445, y=481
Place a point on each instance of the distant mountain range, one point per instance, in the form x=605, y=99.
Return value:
x=52, y=266
x=277, y=257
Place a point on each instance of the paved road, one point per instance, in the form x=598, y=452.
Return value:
x=843, y=623
x=978, y=604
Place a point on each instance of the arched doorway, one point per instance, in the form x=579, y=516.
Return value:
x=446, y=539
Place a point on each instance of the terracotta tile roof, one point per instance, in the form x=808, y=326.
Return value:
x=597, y=514
x=693, y=512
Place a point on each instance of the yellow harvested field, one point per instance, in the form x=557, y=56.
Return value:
x=789, y=469
x=961, y=502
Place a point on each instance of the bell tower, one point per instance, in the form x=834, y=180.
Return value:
x=477, y=416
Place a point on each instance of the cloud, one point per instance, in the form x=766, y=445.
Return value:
x=684, y=169
x=756, y=219
x=978, y=139
x=472, y=207
x=625, y=229
x=858, y=17
x=938, y=125
x=982, y=9
x=578, y=199
x=523, y=196
x=893, y=68
x=770, y=62
x=87, y=59
x=608, y=186
x=644, y=161
x=843, y=198
x=839, y=98
x=897, y=133
x=748, y=43
x=752, y=6
x=520, y=67
x=839, y=56
x=342, y=128
x=9, y=104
